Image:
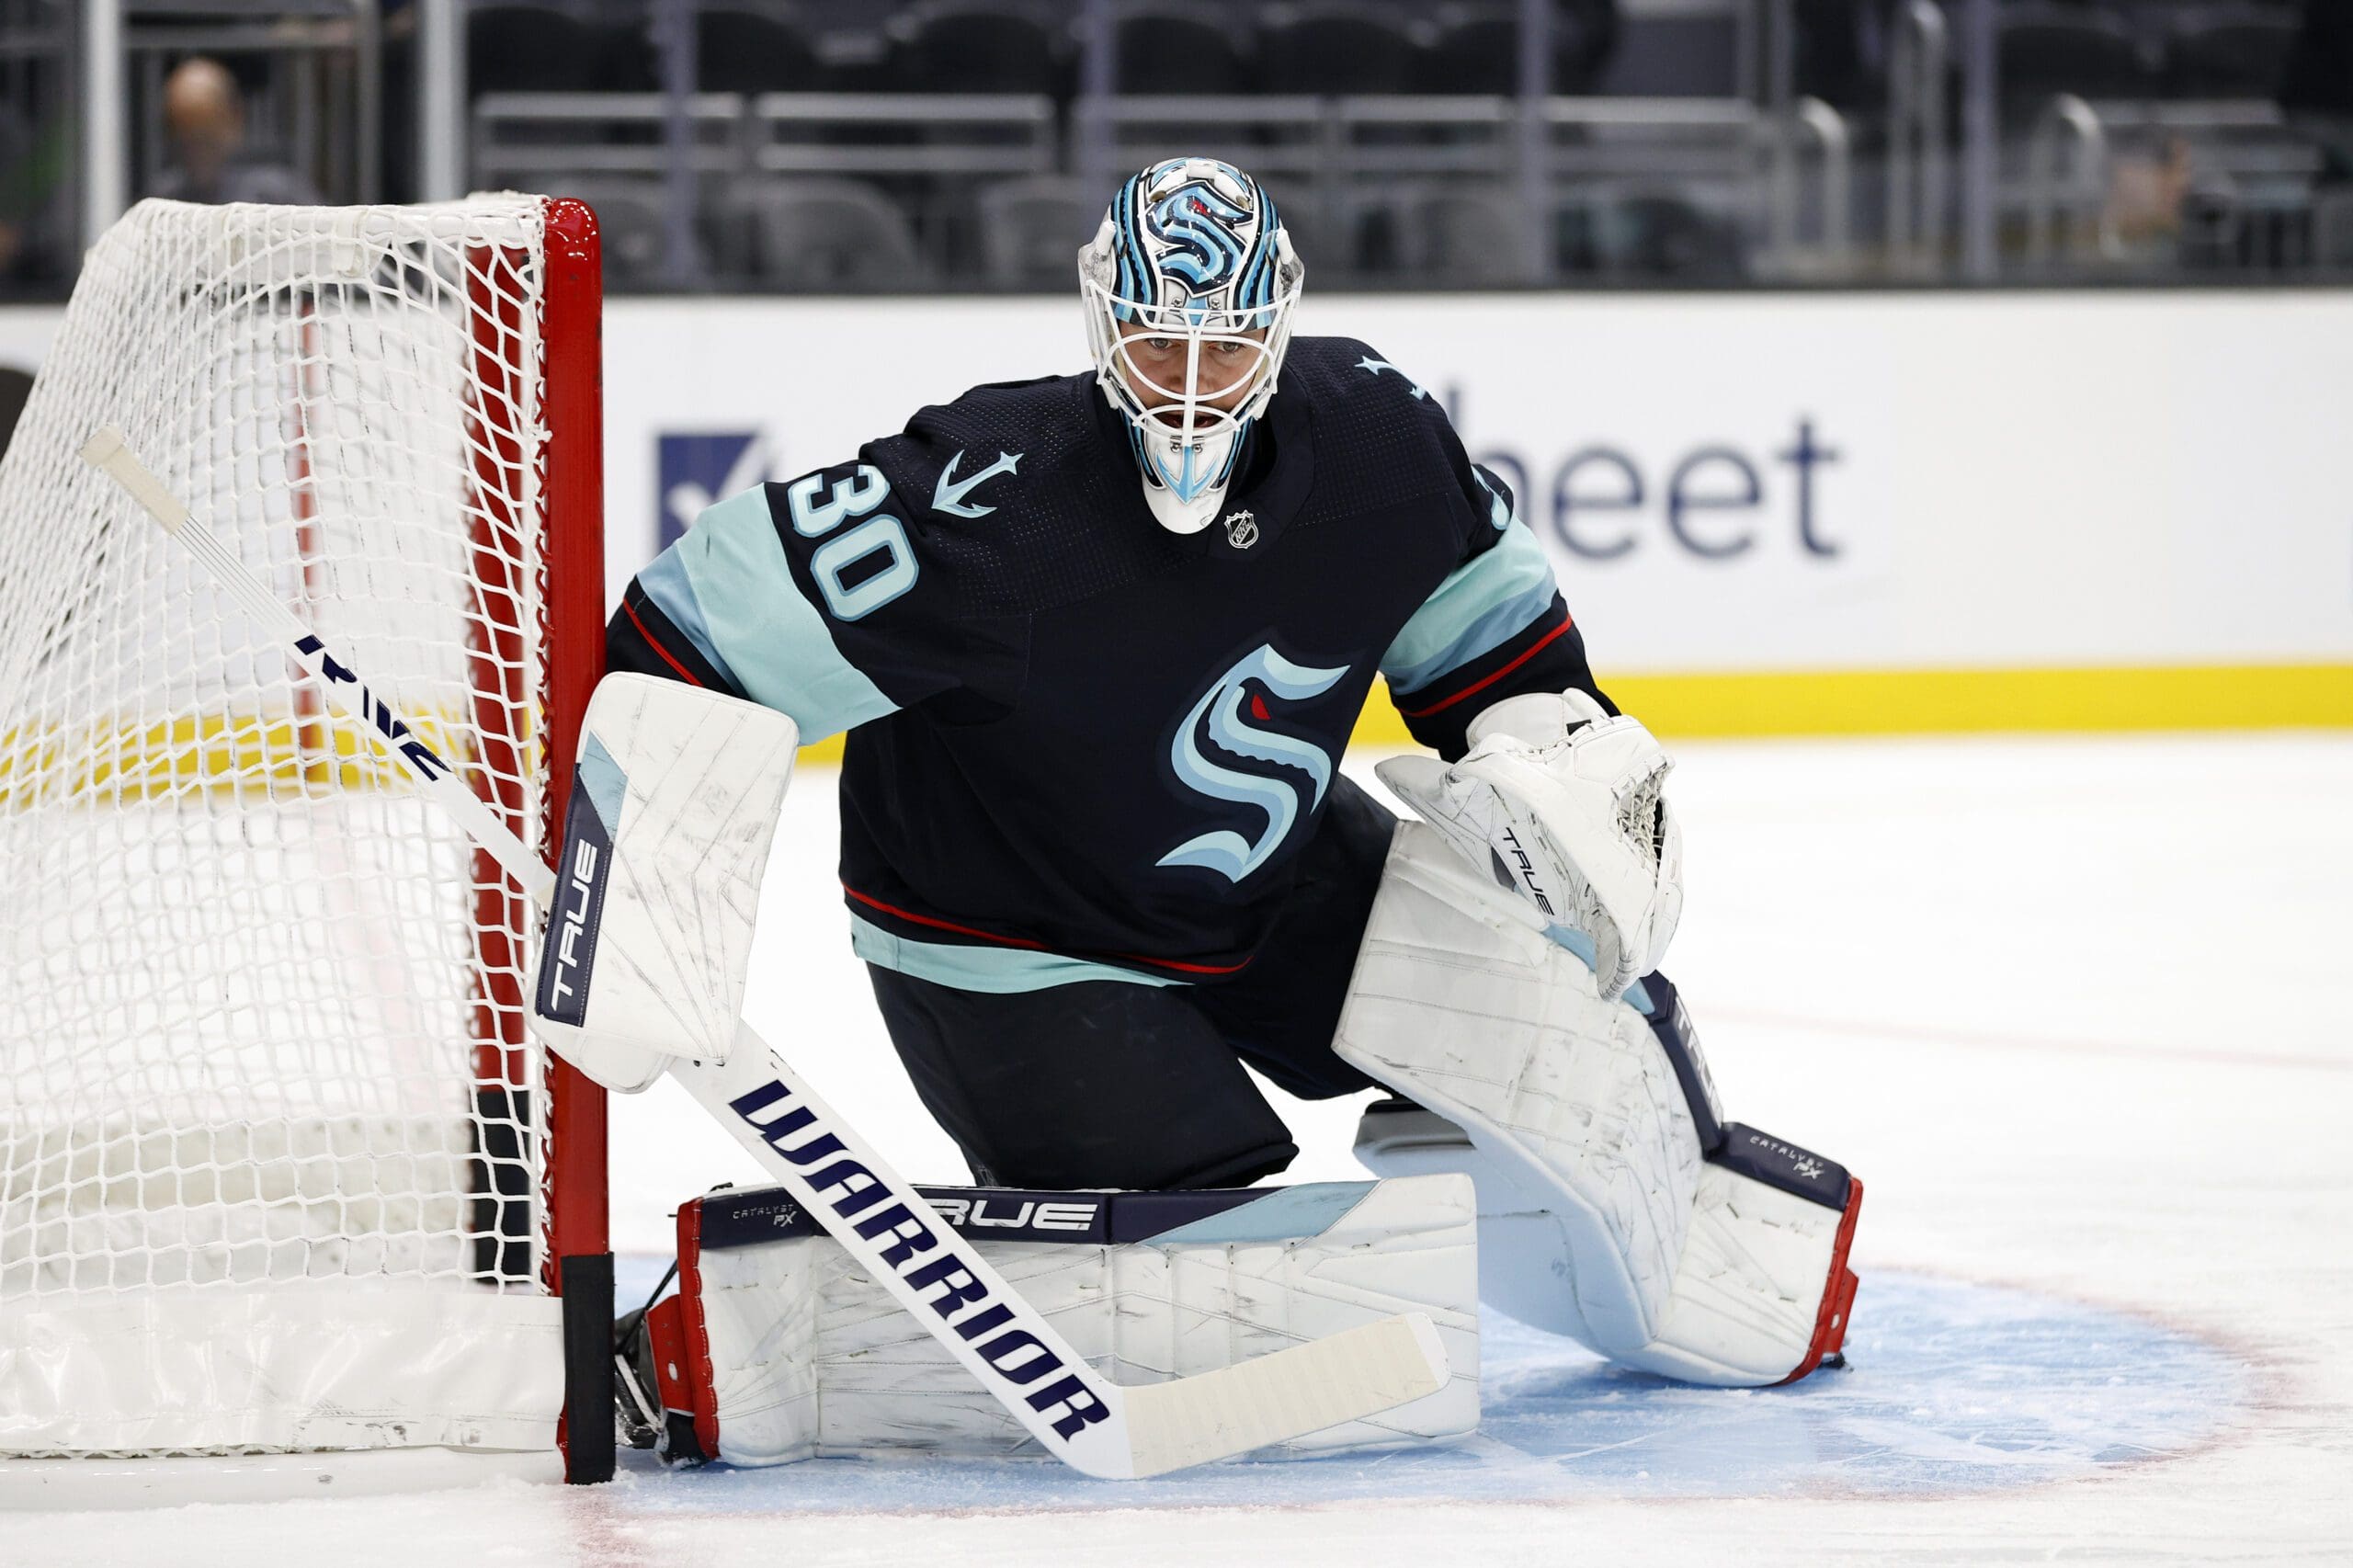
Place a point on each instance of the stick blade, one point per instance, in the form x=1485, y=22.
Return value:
x=110, y=454
x=103, y=444
x=1345, y=1377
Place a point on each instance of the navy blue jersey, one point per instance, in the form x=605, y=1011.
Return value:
x=1081, y=745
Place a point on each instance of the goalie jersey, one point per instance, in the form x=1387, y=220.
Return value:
x=1081, y=745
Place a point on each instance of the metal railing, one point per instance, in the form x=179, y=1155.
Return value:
x=734, y=133
x=1985, y=200
x=1002, y=135
x=1919, y=159
x=2067, y=164
x=1786, y=178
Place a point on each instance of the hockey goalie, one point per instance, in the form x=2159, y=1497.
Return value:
x=1098, y=641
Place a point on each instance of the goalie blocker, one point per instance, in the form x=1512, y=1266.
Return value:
x=665, y=847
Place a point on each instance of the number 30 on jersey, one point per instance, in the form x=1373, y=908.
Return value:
x=844, y=565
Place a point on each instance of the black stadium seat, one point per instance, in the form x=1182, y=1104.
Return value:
x=633, y=221
x=2228, y=52
x=1469, y=235
x=1334, y=48
x=530, y=48
x=976, y=48
x=831, y=236
x=1476, y=49
x=1030, y=231
x=2046, y=49
x=1661, y=234
x=1166, y=50
x=1475, y=52
x=1675, y=52
x=746, y=51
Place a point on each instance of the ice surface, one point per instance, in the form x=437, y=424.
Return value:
x=1954, y=1386
x=2080, y=1012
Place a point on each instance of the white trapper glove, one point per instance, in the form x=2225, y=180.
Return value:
x=1562, y=803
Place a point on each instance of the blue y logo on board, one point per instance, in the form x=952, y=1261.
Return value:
x=1225, y=851
x=693, y=471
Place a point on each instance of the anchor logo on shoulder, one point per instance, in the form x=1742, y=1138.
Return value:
x=1242, y=530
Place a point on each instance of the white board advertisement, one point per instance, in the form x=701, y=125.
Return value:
x=1726, y=483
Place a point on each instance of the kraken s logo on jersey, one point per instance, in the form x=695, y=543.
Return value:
x=1221, y=712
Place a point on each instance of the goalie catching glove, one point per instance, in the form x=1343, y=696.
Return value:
x=1561, y=803
x=674, y=805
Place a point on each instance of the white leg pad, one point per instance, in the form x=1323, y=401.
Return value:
x=1599, y=1219
x=1749, y=1291
x=781, y=1348
x=1460, y=1005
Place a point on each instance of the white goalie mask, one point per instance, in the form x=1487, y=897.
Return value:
x=1188, y=288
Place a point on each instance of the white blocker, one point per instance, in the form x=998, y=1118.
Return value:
x=665, y=845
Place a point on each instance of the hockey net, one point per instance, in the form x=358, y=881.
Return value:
x=280, y=1167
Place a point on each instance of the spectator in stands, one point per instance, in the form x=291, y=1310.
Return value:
x=2145, y=195
x=204, y=118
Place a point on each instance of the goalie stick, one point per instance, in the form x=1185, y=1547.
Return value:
x=1075, y=1414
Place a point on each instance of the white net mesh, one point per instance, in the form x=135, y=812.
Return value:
x=259, y=1005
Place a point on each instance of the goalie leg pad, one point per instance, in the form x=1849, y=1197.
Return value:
x=790, y=1352
x=1616, y=1206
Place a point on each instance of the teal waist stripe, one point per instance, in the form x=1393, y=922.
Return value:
x=1288, y=1213
x=771, y=639
x=975, y=968
x=1481, y=604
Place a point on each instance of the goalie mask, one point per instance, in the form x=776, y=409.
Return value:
x=1188, y=288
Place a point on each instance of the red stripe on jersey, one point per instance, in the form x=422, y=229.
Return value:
x=909, y=914
x=1533, y=649
x=937, y=924
x=684, y=674
x=1185, y=968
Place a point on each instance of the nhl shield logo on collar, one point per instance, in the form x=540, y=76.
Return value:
x=1242, y=530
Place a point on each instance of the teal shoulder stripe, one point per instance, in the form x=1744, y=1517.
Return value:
x=994, y=969
x=1482, y=605
x=769, y=638
x=666, y=584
